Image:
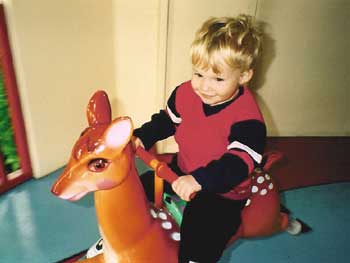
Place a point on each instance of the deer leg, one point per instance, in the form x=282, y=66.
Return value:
x=285, y=213
x=284, y=209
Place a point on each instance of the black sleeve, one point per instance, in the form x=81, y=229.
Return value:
x=171, y=102
x=158, y=128
x=223, y=174
x=220, y=176
x=251, y=133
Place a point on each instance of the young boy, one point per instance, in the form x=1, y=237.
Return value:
x=220, y=132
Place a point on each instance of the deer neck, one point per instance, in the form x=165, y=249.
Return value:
x=123, y=212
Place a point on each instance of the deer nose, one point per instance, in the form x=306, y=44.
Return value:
x=60, y=183
x=56, y=189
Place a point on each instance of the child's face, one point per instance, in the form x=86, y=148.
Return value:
x=215, y=88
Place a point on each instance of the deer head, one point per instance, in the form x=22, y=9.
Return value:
x=90, y=167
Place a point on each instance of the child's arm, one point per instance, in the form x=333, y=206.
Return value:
x=237, y=163
x=161, y=125
x=158, y=128
x=136, y=143
x=185, y=186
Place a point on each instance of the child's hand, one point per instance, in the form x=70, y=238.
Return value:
x=136, y=142
x=186, y=185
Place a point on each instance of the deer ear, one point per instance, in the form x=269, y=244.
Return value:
x=119, y=133
x=99, y=109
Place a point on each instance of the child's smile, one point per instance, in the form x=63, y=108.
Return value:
x=215, y=88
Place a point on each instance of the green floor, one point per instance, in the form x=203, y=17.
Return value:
x=37, y=227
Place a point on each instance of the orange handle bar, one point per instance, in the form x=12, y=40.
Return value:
x=161, y=168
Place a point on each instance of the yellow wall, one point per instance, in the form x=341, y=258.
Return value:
x=140, y=38
x=138, y=51
x=304, y=88
x=63, y=51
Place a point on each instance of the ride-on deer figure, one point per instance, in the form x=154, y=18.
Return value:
x=133, y=230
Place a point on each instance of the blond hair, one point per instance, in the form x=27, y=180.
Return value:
x=234, y=41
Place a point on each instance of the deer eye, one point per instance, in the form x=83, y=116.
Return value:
x=98, y=165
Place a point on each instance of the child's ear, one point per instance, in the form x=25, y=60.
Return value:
x=246, y=76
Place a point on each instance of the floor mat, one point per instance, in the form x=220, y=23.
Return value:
x=36, y=225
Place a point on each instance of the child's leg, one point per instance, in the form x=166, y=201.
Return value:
x=209, y=221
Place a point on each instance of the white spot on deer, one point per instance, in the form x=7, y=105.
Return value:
x=263, y=192
x=255, y=189
x=176, y=236
x=260, y=179
x=167, y=225
x=162, y=215
x=153, y=213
